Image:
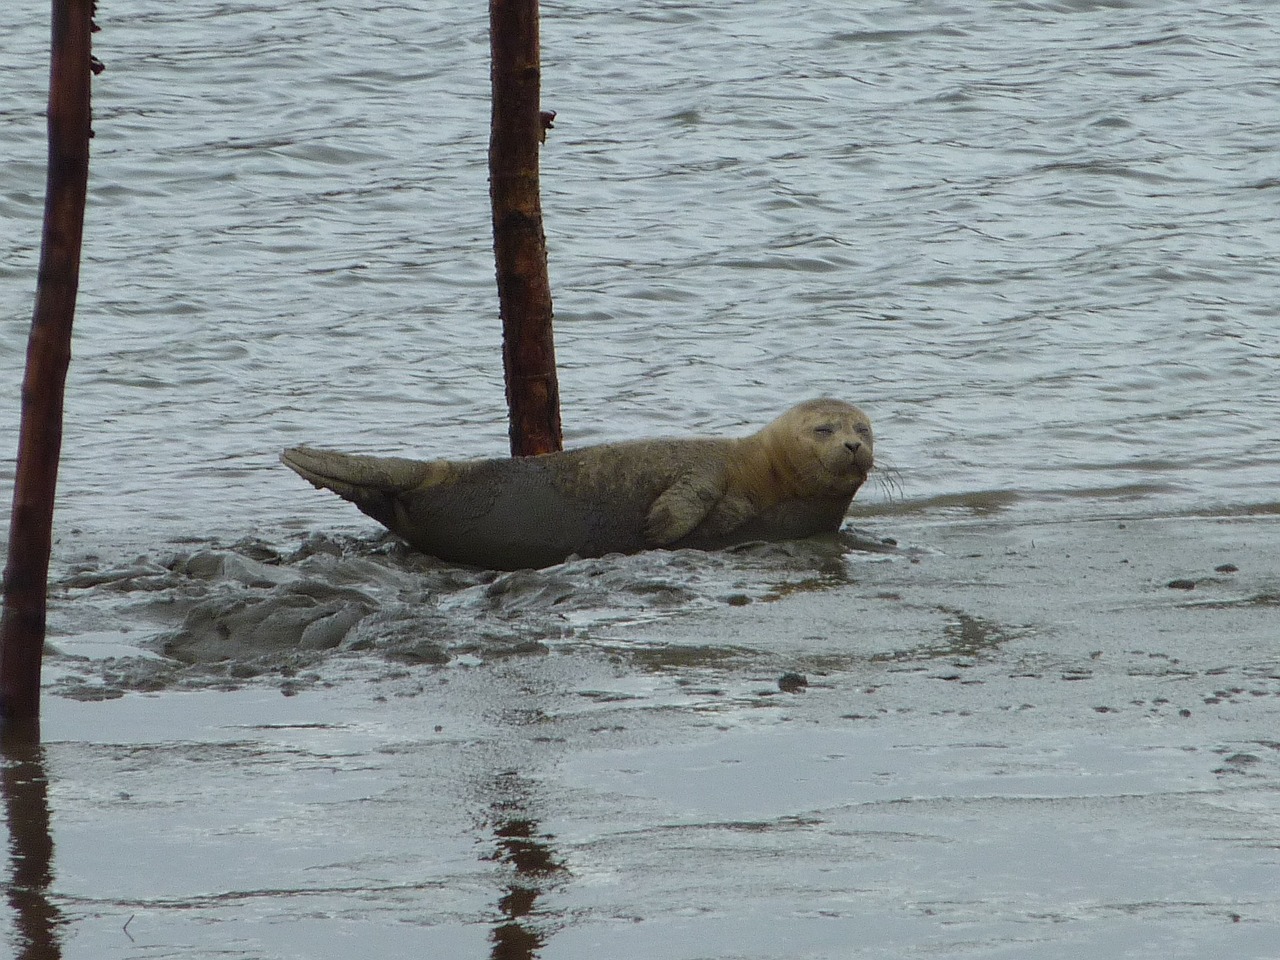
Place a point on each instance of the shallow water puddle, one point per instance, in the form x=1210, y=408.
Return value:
x=784, y=772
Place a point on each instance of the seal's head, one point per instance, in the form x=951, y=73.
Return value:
x=820, y=448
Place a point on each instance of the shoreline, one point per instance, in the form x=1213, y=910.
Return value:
x=1020, y=740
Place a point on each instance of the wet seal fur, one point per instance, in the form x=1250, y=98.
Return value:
x=794, y=478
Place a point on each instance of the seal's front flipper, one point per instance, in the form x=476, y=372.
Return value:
x=680, y=508
x=722, y=523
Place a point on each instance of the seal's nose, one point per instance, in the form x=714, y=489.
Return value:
x=853, y=446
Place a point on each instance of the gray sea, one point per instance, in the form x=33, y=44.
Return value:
x=1036, y=240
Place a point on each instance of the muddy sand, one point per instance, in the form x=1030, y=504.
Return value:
x=992, y=737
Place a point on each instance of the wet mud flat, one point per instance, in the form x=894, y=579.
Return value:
x=997, y=738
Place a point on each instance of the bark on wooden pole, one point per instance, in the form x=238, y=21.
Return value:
x=48, y=354
x=519, y=245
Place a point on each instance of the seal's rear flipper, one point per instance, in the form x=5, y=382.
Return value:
x=354, y=477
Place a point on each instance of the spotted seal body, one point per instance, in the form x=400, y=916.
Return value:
x=793, y=478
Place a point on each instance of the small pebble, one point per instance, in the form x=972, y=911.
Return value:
x=792, y=682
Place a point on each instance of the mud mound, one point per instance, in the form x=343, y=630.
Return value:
x=225, y=614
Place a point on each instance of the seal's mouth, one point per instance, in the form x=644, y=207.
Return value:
x=856, y=458
x=848, y=470
x=844, y=476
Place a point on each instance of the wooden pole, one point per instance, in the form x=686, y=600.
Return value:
x=48, y=354
x=519, y=245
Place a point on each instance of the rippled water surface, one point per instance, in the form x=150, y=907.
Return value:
x=1035, y=240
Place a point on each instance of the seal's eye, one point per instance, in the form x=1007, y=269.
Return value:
x=863, y=430
x=824, y=431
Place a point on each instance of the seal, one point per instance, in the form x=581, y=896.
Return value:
x=793, y=478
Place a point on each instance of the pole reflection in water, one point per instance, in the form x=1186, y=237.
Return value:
x=535, y=869
x=26, y=807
